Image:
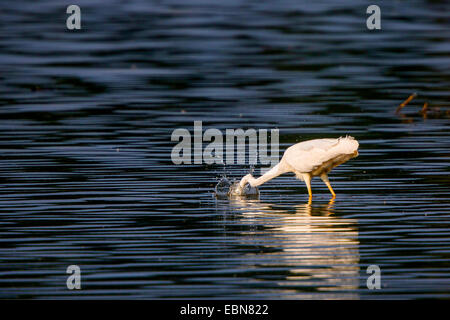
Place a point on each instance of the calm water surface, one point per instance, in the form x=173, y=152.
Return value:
x=86, y=176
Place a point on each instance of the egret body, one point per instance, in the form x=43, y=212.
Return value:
x=308, y=159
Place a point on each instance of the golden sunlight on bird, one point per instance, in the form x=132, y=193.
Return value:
x=308, y=159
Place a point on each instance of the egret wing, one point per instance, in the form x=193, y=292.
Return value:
x=309, y=155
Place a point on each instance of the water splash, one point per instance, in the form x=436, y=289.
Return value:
x=247, y=190
x=225, y=188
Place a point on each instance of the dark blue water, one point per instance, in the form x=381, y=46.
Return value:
x=86, y=176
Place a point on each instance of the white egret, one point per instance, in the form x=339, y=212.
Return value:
x=308, y=159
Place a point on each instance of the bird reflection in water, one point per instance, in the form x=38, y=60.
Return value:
x=319, y=249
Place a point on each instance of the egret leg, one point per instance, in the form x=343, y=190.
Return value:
x=324, y=178
x=307, y=179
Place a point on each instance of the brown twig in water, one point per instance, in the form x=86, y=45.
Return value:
x=424, y=110
x=425, y=107
x=404, y=103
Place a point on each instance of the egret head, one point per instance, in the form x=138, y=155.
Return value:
x=246, y=179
